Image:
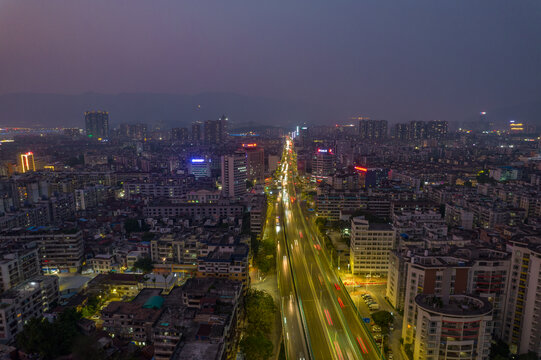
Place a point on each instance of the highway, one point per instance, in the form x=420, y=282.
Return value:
x=295, y=339
x=329, y=320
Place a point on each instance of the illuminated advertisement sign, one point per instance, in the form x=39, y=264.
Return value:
x=359, y=168
x=198, y=160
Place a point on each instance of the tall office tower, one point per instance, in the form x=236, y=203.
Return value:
x=26, y=162
x=452, y=327
x=197, y=132
x=255, y=163
x=484, y=124
x=179, y=135
x=213, y=132
x=522, y=323
x=234, y=175
x=436, y=129
x=97, y=124
x=199, y=167
x=417, y=130
x=401, y=131
x=225, y=126
x=304, y=136
x=515, y=127
x=370, y=246
x=324, y=162
x=372, y=129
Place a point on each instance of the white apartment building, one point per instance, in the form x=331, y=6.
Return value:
x=522, y=322
x=18, y=266
x=27, y=300
x=453, y=327
x=370, y=246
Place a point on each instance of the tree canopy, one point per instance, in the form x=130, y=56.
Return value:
x=256, y=347
x=383, y=318
x=260, y=310
x=144, y=264
x=50, y=339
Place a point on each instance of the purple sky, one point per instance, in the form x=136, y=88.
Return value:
x=421, y=59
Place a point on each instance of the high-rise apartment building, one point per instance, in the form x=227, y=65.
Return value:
x=452, y=327
x=213, y=132
x=225, y=125
x=234, y=175
x=436, y=129
x=179, y=135
x=97, y=124
x=430, y=275
x=255, y=163
x=484, y=124
x=197, y=132
x=26, y=162
x=400, y=131
x=417, y=130
x=369, y=247
x=372, y=129
x=522, y=322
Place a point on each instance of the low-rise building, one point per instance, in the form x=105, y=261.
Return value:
x=60, y=249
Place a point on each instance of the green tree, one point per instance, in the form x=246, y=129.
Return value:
x=86, y=348
x=50, y=339
x=260, y=309
x=265, y=259
x=147, y=236
x=499, y=350
x=131, y=225
x=383, y=318
x=92, y=306
x=144, y=264
x=256, y=347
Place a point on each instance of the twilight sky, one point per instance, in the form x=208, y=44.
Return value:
x=395, y=59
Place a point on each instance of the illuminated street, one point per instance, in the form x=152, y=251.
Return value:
x=332, y=324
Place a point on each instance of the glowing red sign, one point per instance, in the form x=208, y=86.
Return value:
x=359, y=168
x=252, y=145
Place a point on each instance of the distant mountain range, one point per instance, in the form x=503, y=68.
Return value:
x=175, y=110
x=167, y=110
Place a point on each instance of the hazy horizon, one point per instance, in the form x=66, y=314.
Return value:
x=392, y=60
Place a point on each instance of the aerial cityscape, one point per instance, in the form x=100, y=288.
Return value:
x=241, y=180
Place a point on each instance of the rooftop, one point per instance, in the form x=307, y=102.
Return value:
x=460, y=305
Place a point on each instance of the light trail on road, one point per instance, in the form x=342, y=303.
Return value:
x=329, y=320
